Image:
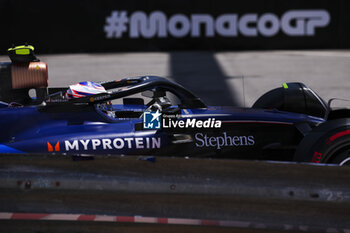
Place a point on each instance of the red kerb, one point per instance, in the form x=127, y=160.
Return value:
x=125, y=219
x=86, y=217
x=162, y=220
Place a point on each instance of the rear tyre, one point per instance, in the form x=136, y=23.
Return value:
x=342, y=157
x=328, y=143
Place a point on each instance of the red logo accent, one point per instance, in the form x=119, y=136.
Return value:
x=50, y=147
x=317, y=157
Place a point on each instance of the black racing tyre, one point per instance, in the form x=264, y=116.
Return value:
x=342, y=157
x=328, y=143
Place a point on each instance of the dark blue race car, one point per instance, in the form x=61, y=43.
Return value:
x=154, y=116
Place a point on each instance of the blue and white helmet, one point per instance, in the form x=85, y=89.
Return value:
x=84, y=89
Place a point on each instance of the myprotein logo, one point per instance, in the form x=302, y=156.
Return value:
x=158, y=25
x=51, y=148
x=113, y=144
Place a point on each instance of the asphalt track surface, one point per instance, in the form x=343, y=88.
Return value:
x=217, y=77
x=269, y=197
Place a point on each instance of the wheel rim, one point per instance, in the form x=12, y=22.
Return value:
x=345, y=162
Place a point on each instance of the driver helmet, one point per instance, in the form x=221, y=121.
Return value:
x=84, y=89
x=88, y=88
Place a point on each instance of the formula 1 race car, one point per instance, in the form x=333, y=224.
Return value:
x=154, y=116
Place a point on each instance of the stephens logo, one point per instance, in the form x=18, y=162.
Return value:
x=203, y=140
x=151, y=120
